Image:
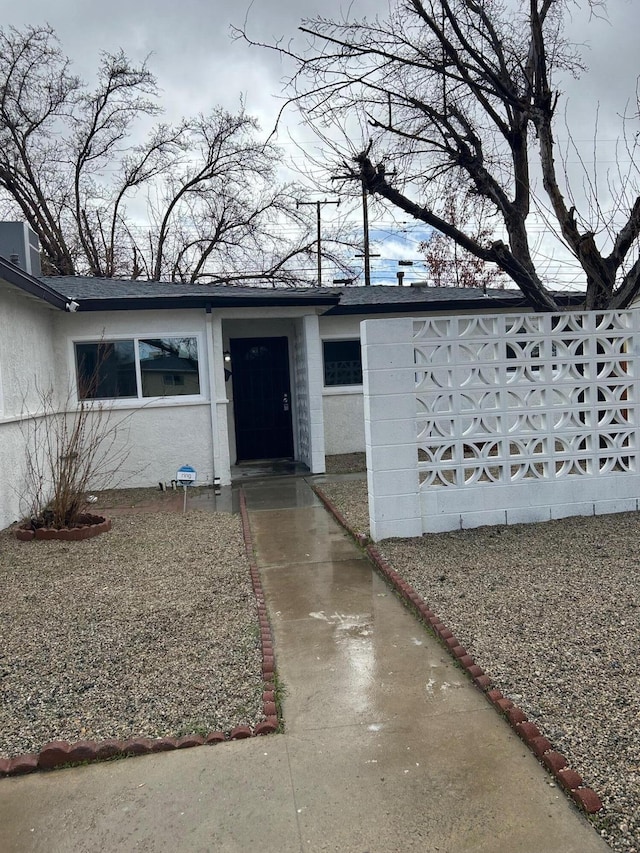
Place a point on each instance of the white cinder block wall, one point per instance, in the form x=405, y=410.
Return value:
x=390, y=428
x=500, y=419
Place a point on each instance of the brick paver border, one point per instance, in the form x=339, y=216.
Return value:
x=59, y=753
x=553, y=761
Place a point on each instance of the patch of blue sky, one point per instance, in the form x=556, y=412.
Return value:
x=395, y=249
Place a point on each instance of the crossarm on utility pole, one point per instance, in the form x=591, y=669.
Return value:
x=319, y=241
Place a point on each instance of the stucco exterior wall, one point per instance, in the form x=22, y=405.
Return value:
x=343, y=422
x=13, y=503
x=158, y=440
x=343, y=407
x=28, y=368
x=27, y=352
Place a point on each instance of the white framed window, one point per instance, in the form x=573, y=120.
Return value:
x=342, y=360
x=137, y=367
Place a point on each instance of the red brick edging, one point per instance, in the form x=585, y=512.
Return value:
x=271, y=710
x=93, y=527
x=57, y=753
x=555, y=762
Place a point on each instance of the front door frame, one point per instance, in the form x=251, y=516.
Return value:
x=275, y=441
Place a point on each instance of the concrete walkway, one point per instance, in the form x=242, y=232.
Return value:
x=387, y=747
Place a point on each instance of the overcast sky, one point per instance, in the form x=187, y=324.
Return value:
x=198, y=65
x=192, y=53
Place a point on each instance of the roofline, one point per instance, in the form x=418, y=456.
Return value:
x=425, y=305
x=141, y=303
x=331, y=299
x=455, y=305
x=33, y=286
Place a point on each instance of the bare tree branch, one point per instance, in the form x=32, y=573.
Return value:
x=214, y=205
x=468, y=89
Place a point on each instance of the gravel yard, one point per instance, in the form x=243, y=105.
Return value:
x=346, y=463
x=149, y=630
x=552, y=612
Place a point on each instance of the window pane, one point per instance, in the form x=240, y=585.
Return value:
x=169, y=366
x=106, y=370
x=342, y=363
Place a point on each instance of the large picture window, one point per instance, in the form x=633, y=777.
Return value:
x=139, y=367
x=342, y=363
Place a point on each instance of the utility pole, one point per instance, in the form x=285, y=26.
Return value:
x=365, y=222
x=318, y=204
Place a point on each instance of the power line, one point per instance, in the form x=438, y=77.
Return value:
x=318, y=205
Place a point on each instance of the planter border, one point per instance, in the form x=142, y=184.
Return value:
x=60, y=753
x=98, y=524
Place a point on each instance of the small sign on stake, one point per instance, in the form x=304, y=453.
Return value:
x=186, y=476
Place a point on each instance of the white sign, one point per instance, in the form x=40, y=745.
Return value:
x=186, y=475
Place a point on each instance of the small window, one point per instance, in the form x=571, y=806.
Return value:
x=109, y=370
x=342, y=363
x=173, y=379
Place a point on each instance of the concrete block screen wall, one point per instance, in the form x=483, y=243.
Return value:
x=500, y=419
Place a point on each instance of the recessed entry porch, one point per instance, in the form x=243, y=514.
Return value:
x=266, y=468
x=272, y=396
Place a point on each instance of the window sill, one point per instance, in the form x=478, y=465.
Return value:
x=147, y=402
x=334, y=390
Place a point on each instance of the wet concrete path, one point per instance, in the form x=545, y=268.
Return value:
x=387, y=748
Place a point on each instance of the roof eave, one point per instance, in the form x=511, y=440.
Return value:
x=30, y=285
x=411, y=307
x=451, y=305
x=143, y=303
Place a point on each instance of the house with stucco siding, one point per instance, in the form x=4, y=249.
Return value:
x=209, y=375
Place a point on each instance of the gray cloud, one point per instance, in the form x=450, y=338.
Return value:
x=198, y=64
x=192, y=53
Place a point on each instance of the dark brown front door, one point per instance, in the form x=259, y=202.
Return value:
x=262, y=398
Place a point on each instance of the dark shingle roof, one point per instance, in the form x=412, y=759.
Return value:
x=106, y=294
x=400, y=294
x=103, y=294
x=95, y=294
x=409, y=298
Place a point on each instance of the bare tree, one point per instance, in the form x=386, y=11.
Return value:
x=447, y=263
x=70, y=449
x=470, y=88
x=214, y=208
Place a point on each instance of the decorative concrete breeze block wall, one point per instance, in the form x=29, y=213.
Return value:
x=500, y=419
